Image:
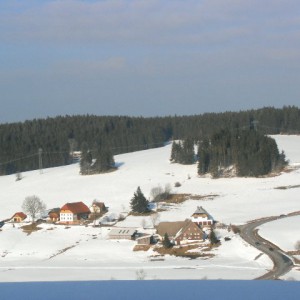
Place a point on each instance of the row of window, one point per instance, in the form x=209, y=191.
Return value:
x=185, y=234
x=66, y=217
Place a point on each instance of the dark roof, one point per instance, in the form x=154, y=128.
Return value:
x=55, y=210
x=200, y=210
x=76, y=207
x=101, y=205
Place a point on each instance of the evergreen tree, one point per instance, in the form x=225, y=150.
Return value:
x=85, y=160
x=183, y=153
x=166, y=242
x=104, y=160
x=188, y=152
x=176, y=152
x=213, y=238
x=139, y=203
x=203, y=157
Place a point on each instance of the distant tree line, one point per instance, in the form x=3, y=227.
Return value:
x=60, y=137
x=250, y=152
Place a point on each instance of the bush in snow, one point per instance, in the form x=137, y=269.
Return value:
x=297, y=245
x=177, y=184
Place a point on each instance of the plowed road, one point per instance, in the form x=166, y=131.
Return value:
x=282, y=263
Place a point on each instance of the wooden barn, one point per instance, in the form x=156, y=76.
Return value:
x=180, y=231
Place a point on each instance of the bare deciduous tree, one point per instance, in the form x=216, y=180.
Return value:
x=140, y=274
x=154, y=219
x=33, y=205
x=156, y=193
x=168, y=189
x=18, y=176
x=159, y=194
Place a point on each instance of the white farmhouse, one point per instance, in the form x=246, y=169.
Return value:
x=202, y=218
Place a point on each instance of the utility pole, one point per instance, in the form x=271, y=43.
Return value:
x=40, y=160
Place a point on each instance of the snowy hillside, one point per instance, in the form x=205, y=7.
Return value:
x=80, y=253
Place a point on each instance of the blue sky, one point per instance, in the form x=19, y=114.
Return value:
x=147, y=57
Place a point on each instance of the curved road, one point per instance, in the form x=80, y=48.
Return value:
x=282, y=263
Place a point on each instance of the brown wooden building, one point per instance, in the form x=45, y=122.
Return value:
x=54, y=214
x=180, y=231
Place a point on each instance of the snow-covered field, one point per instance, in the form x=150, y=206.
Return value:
x=85, y=253
x=283, y=232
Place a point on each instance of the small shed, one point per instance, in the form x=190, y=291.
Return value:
x=145, y=240
x=122, y=233
x=19, y=217
x=53, y=214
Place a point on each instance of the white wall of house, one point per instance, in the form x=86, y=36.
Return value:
x=201, y=220
x=66, y=217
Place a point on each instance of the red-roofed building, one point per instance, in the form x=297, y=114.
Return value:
x=74, y=212
x=19, y=217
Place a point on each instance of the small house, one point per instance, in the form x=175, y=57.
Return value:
x=18, y=217
x=181, y=231
x=54, y=214
x=122, y=233
x=202, y=218
x=74, y=213
x=97, y=209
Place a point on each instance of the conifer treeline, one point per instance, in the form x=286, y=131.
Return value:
x=250, y=152
x=59, y=137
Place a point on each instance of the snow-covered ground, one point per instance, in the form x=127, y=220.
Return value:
x=85, y=253
x=283, y=232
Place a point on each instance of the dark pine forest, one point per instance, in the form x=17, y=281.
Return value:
x=98, y=136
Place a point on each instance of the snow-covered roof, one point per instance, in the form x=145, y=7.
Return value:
x=200, y=210
x=123, y=231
